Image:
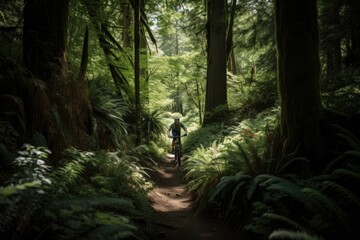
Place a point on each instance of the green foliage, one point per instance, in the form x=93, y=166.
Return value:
x=222, y=173
x=22, y=193
x=203, y=171
x=324, y=205
x=108, y=114
x=152, y=126
x=292, y=235
x=204, y=136
x=90, y=218
x=99, y=195
x=239, y=179
x=8, y=135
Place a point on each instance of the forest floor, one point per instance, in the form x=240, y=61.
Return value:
x=174, y=215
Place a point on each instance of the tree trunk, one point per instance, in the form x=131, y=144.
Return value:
x=229, y=36
x=216, y=90
x=354, y=6
x=126, y=36
x=332, y=44
x=137, y=69
x=144, y=64
x=56, y=107
x=45, y=32
x=298, y=77
x=44, y=41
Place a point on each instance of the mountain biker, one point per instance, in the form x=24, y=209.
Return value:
x=175, y=129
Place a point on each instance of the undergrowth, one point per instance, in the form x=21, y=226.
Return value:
x=90, y=195
x=237, y=178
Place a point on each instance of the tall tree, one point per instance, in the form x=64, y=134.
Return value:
x=126, y=24
x=298, y=76
x=109, y=44
x=56, y=105
x=144, y=63
x=137, y=69
x=216, y=90
x=45, y=32
x=354, y=50
x=44, y=42
x=229, y=38
x=331, y=40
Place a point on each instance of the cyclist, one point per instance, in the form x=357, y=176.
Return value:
x=175, y=129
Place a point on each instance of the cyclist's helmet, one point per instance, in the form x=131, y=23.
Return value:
x=176, y=118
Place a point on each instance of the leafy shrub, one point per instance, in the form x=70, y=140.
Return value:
x=90, y=195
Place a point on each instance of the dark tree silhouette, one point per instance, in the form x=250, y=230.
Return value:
x=44, y=56
x=298, y=76
x=56, y=106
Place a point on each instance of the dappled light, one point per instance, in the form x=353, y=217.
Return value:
x=179, y=119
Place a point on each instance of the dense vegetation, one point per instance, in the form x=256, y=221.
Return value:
x=88, y=88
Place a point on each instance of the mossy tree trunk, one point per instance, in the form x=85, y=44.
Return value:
x=299, y=77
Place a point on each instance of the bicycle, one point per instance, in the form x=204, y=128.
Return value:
x=177, y=150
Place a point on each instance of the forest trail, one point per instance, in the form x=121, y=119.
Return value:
x=174, y=215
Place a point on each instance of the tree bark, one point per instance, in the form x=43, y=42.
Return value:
x=332, y=43
x=44, y=56
x=216, y=89
x=299, y=77
x=144, y=63
x=137, y=69
x=126, y=36
x=354, y=6
x=45, y=32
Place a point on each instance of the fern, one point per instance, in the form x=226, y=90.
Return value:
x=328, y=208
x=228, y=190
x=348, y=175
x=109, y=113
x=204, y=170
x=283, y=221
x=347, y=197
x=350, y=138
x=94, y=218
x=26, y=187
x=152, y=125
x=292, y=235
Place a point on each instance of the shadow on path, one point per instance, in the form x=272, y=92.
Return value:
x=173, y=213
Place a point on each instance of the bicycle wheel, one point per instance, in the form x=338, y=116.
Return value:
x=177, y=156
x=179, y=159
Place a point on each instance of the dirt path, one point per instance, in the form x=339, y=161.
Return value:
x=173, y=213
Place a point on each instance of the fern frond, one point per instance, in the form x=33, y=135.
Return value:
x=292, y=235
x=284, y=221
x=282, y=168
x=347, y=174
x=226, y=183
x=348, y=136
x=346, y=196
x=353, y=154
x=329, y=209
